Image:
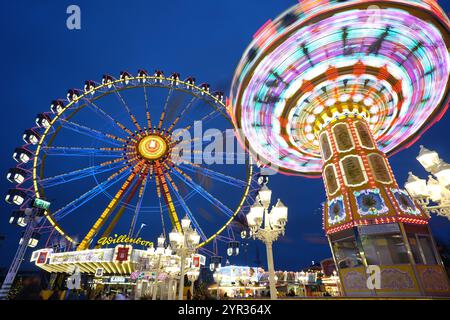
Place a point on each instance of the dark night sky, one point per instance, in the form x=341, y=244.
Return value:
x=41, y=59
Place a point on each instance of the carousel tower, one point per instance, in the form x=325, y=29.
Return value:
x=332, y=88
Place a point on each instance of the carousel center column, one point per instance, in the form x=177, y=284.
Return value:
x=379, y=237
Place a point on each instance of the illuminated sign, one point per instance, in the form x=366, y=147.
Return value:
x=117, y=279
x=99, y=272
x=41, y=204
x=42, y=258
x=124, y=239
x=122, y=254
x=198, y=260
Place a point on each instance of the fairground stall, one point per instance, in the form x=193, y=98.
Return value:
x=237, y=282
x=150, y=274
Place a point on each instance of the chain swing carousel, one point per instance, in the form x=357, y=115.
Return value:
x=333, y=88
x=102, y=151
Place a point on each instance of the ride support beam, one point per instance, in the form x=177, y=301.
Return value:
x=119, y=213
x=167, y=197
x=109, y=209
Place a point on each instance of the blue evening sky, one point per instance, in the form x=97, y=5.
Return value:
x=41, y=59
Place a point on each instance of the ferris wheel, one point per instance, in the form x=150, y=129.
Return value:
x=134, y=151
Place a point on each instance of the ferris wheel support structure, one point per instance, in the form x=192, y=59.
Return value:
x=18, y=257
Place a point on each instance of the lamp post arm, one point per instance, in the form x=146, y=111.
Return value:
x=442, y=208
x=443, y=211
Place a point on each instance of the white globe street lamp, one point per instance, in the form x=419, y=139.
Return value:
x=416, y=187
x=267, y=227
x=428, y=159
x=443, y=174
x=433, y=195
x=184, y=243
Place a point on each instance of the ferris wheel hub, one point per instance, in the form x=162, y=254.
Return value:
x=153, y=147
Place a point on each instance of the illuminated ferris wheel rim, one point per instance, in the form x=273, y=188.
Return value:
x=130, y=82
x=265, y=54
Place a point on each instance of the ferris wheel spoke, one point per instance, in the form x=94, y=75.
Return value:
x=164, y=189
x=82, y=151
x=179, y=117
x=205, y=194
x=89, y=195
x=194, y=168
x=147, y=109
x=99, y=110
x=209, y=116
x=79, y=174
x=138, y=205
x=196, y=150
x=225, y=158
x=204, y=120
x=206, y=251
x=194, y=143
x=225, y=239
x=163, y=113
x=133, y=118
x=130, y=193
x=161, y=213
x=186, y=209
x=109, y=209
x=95, y=134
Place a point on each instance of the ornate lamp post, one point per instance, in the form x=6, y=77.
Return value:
x=184, y=243
x=433, y=195
x=267, y=227
x=160, y=252
x=217, y=278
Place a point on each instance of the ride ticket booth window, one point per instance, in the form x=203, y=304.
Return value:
x=421, y=244
x=386, y=249
x=345, y=249
x=383, y=244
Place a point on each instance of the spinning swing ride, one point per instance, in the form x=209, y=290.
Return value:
x=332, y=88
x=142, y=171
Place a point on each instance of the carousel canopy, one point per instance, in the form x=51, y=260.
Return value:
x=386, y=61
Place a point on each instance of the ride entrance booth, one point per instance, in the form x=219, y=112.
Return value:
x=237, y=282
x=105, y=270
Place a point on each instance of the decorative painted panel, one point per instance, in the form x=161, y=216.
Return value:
x=398, y=278
x=370, y=202
x=327, y=152
x=336, y=211
x=434, y=279
x=344, y=141
x=364, y=135
x=354, y=174
x=331, y=181
x=379, y=168
x=405, y=202
x=354, y=280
